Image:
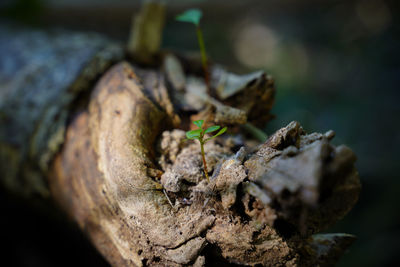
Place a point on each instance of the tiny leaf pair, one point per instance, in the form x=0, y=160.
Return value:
x=199, y=135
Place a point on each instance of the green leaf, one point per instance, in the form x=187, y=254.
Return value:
x=219, y=133
x=195, y=134
x=199, y=123
x=212, y=129
x=191, y=15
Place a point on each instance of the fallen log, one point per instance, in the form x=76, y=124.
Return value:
x=116, y=161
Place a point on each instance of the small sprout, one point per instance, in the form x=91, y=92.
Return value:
x=199, y=135
x=193, y=16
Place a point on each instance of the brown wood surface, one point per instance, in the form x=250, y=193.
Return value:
x=104, y=179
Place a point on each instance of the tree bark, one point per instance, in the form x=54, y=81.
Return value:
x=132, y=183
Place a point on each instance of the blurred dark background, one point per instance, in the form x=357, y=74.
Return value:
x=336, y=65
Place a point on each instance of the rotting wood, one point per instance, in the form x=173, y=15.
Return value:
x=131, y=221
x=146, y=32
x=264, y=205
x=42, y=75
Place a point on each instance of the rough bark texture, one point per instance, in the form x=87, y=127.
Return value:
x=137, y=188
x=120, y=131
x=42, y=74
x=259, y=208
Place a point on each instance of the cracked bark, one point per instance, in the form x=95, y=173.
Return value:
x=299, y=181
x=265, y=204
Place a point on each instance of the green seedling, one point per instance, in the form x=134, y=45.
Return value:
x=199, y=135
x=193, y=16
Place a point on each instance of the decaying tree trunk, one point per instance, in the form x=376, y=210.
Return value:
x=132, y=182
x=42, y=76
